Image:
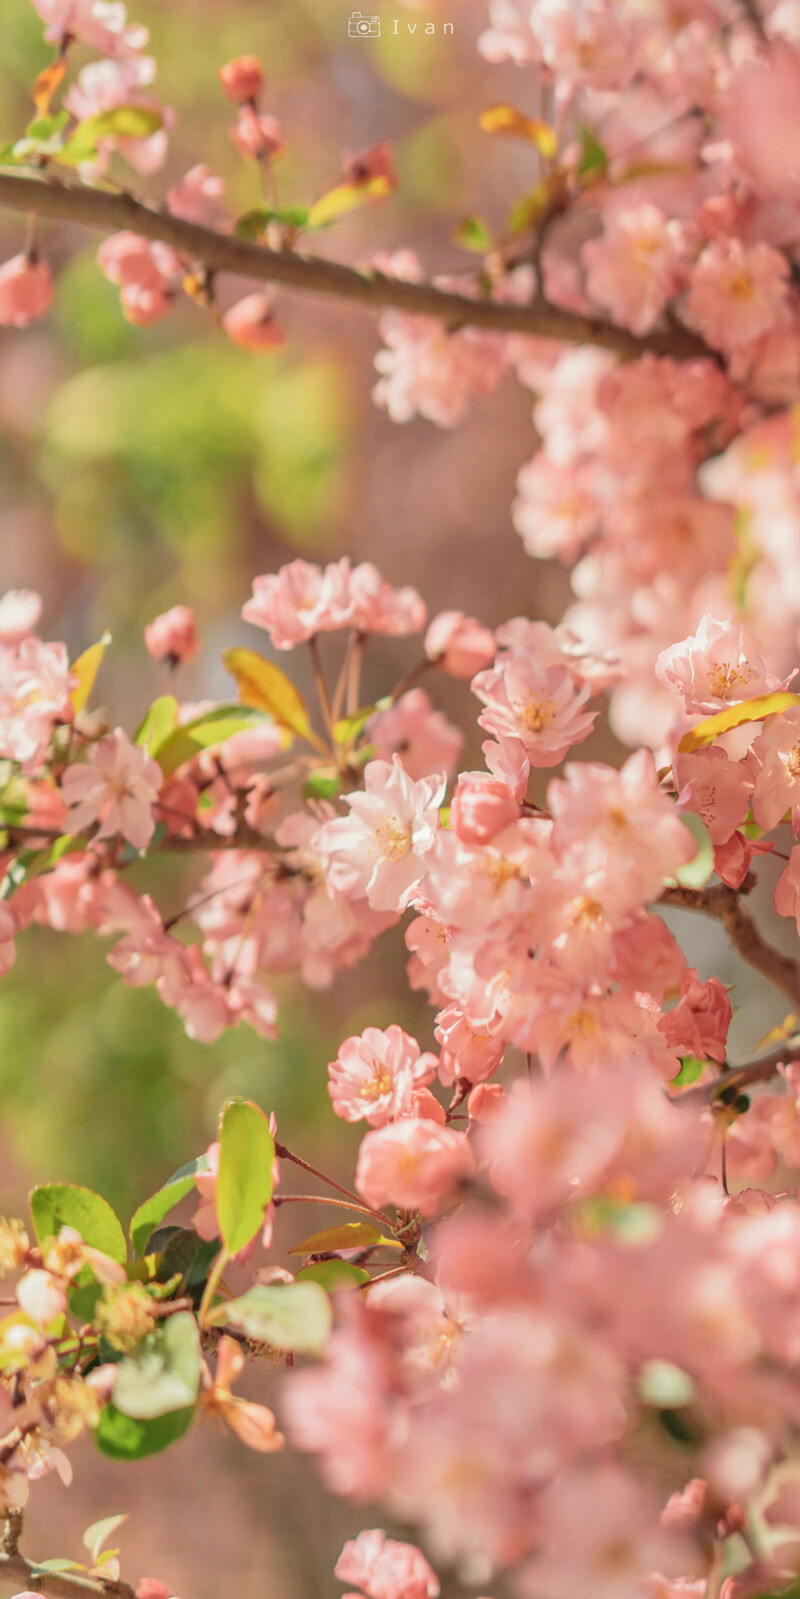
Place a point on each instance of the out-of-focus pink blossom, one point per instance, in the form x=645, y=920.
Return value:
x=20, y=610
x=197, y=198
x=257, y=134
x=251, y=323
x=421, y=737
x=26, y=291
x=700, y=1021
x=385, y=1569
x=459, y=644
x=172, y=636
x=415, y=1165
x=102, y=24
x=242, y=78
x=737, y=293
x=634, y=269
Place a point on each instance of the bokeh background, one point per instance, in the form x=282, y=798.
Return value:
x=139, y=469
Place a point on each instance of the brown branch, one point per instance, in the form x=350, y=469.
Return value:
x=725, y=904
x=739, y=1078
x=218, y=252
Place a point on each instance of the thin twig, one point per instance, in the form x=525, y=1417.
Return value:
x=219, y=252
x=725, y=904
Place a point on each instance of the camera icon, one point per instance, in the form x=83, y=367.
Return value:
x=361, y=27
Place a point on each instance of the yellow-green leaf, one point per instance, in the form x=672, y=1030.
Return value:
x=85, y=669
x=349, y=1235
x=333, y=1275
x=506, y=119
x=754, y=710
x=347, y=197
x=262, y=684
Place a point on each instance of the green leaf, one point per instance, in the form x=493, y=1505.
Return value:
x=244, y=1184
x=695, y=873
x=264, y=685
x=472, y=234
x=324, y=784
x=691, y=1069
x=83, y=1301
x=124, y=122
x=96, y=1535
x=204, y=733
x=59, y=1565
x=349, y=1235
x=160, y=720
x=594, y=160
x=147, y=1217
x=333, y=1275
x=164, y=1374
x=57, y=1205
x=253, y=224
x=294, y=1316
x=122, y=1438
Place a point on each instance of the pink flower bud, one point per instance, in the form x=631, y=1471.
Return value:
x=255, y=135
x=482, y=806
x=486, y=1102
x=242, y=78
x=26, y=291
x=152, y=1588
x=425, y=1106
x=459, y=644
x=172, y=636
x=251, y=324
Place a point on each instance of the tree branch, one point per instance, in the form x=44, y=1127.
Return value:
x=25, y=1574
x=738, y=1078
x=725, y=904
x=219, y=252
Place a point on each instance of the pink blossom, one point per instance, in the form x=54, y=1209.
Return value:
x=699, y=1023
x=421, y=737
x=374, y=1075
x=467, y=1050
x=384, y=1569
x=634, y=268
x=376, y=607
x=459, y=644
x=482, y=807
x=116, y=786
x=26, y=291
x=714, y=668
x=537, y=705
x=102, y=24
x=714, y=788
x=299, y=601
x=737, y=293
x=601, y=1537
x=415, y=1165
x=20, y=610
x=152, y=1588
x=106, y=85
x=485, y=1102
x=172, y=636
x=35, y=686
x=251, y=324
x=622, y=828
x=426, y=371
x=761, y=115
x=147, y=275
x=8, y=948
x=378, y=851
x=786, y=895
x=242, y=78
x=197, y=198
x=775, y=759
x=41, y=1296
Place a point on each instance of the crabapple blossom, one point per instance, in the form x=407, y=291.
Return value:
x=378, y=851
x=385, y=1569
x=250, y=323
x=421, y=737
x=714, y=668
x=102, y=24
x=537, y=705
x=636, y=267
x=117, y=786
x=416, y=1165
x=459, y=644
x=482, y=807
x=299, y=601
x=374, y=1076
x=242, y=78
x=775, y=761
x=20, y=610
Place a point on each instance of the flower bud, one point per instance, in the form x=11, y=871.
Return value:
x=26, y=291
x=242, y=78
x=459, y=644
x=41, y=1296
x=255, y=135
x=485, y=1102
x=172, y=636
x=251, y=324
x=482, y=806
